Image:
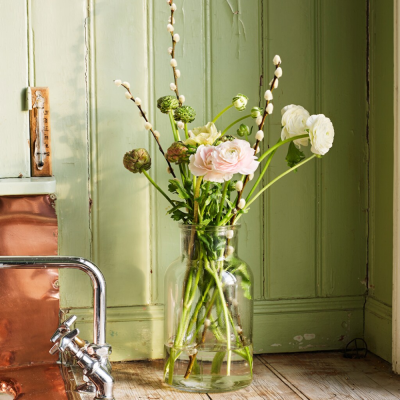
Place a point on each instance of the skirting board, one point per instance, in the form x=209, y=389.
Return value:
x=378, y=328
x=136, y=332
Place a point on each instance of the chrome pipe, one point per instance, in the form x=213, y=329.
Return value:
x=56, y=262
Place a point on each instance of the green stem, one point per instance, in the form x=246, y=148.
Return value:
x=227, y=217
x=158, y=187
x=264, y=170
x=203, y=207
x=196, y=199
x=186, y=131
x=224, y=110
x=226, y=317
x=173, y=126
x=275, y=180
x=234, y=122
x=281, y=143
x=226, y=185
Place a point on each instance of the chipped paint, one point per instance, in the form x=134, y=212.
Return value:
x=276, y=345
x=309, y=336
x=298, y=338
x=309, y=346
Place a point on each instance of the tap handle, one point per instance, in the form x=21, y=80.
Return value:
x=55, y=349
x=70, y=321
x=64, y=328
x=65, y=341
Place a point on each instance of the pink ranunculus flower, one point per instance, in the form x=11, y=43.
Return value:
x=220, y=163
x=202, y=164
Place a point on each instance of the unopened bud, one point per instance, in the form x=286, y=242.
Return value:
x=277, y=60
x=241, y=204
x=229, y=234
x=230, y=250
x=239, y=186
x=260, y=135
x=268, y=95
x=278, y=72
x=240, y=102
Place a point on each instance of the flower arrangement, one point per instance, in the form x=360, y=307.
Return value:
x=214, y=169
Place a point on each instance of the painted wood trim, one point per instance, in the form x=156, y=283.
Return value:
x=396, y=198
x=261, y=307
x=378, y=308
x=378, y=328
x=289, y=325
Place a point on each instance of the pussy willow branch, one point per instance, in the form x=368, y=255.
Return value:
x=152, y=131
x=173, y=54
x=260, y=128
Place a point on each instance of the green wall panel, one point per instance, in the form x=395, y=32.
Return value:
x=381, y=128
x=306, y=239
x=60, y=63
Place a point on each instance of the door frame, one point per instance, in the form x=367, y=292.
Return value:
x=396, y=197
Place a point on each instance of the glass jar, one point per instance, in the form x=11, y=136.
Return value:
x=208, y=313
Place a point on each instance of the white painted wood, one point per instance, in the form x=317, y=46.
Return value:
x=14, y=119
x=27, y=186
x=396, y=199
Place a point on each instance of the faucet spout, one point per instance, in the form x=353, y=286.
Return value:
x=97, y=278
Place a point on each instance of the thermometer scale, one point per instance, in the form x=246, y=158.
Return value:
x=38, y=98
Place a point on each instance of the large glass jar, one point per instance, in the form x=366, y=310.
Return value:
x=208, y=313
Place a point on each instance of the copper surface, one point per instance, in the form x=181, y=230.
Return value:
x=29, y=299
x=39, y=382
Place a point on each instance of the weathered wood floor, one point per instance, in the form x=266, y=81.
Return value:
x=311, y=376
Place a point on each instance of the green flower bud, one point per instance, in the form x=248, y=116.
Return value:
x=240, y=102
x=185, y=114
x=226, y=138
x=167, y=103
x=256, y=112
x=137, y=160
x=243, y=130
x=177, y=153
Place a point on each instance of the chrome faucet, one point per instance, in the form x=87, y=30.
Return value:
x=88, y=356
x=99, y=349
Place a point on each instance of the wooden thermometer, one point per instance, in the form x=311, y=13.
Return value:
x=39, y=126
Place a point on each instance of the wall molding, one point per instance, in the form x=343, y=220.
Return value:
x=378, y=328
x=261, y=307
x=136, y=332
x=378, y=308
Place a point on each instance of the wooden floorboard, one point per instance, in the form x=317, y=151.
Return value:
x=321, y=376
x=304, y=376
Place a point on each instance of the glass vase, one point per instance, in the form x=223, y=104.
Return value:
x=208, y=313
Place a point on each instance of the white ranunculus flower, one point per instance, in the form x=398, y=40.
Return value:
x=203, y=135
x=321, y=133
x=294, y=120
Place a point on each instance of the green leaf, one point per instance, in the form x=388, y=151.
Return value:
x=176, y=187
x=217, y=363
x=294, y=155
